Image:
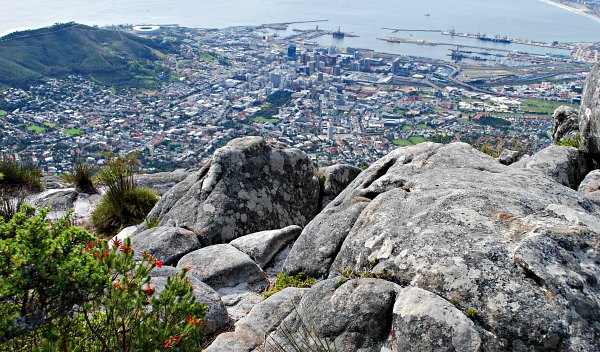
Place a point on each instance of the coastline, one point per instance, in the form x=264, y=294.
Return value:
x=576, y=10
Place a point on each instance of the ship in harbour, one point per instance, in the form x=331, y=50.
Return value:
x=495, y=39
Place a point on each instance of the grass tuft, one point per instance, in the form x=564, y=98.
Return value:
x=124, y=203
x=82, y=177
x=284, y=280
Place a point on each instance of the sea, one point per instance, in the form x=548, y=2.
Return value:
x=523, y=19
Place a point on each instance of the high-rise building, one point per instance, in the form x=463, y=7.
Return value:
x=396, y=66
x=292, y=51
x=365, y=64
x=337, y=70
x=275, y=79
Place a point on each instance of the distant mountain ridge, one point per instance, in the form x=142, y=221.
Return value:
x=111, y=57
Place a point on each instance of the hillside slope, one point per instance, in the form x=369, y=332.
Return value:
x=110, y=57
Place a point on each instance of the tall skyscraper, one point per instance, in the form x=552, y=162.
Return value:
x=292, y=51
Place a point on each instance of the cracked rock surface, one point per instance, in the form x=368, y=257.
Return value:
x=248, y=186
x=512, y=244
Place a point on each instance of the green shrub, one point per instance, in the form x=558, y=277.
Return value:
x=152, y=222
x=570, y=142
x=82, y=177
x=20, y=174
x=124, y=203
x=284, y=280
x=119, y=209
x=62, y=290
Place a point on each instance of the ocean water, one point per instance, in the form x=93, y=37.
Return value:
x=527, y=19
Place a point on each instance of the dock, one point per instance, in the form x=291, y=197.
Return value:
x=424, y=42
x=284, y=25
x=396, y=30
x=506, y=40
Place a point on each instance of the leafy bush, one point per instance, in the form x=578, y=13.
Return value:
x=124, y=203
x=82, y=177
x=284, y=280
x=62, y=290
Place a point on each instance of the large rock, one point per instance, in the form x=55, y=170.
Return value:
x=589, y=116
x=566, y=165
x=376, y=315
x=512, y=243
x=54, y=182
x=335, y=179
x=57, y=199
x=222, y=265
x=508, y=157
x=264, y=318
x=263, y=246
x=167, y=244
x=354, y=316
x=590, y=186
x=566, y=124
x=216, y=317
x=161, y=182
x=423, y=321
x=247, y=187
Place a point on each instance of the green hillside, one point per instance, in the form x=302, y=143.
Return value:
x=111, y=57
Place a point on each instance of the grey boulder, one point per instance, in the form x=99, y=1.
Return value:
x=335, y=179
x=216, y=317
x=566, y=124
x=263, y=246
x=56, y=199
x=565, y=165
x=376, y=315
x=589, y=116
x=508, y=157
x=54, y=182
x=167, y=244
x=512, y=243
x=222, y=266
x=248, y=186
x=264, y=318
x=590, y=186
x=161, y=182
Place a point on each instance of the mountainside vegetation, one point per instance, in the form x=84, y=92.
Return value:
x=110, y=57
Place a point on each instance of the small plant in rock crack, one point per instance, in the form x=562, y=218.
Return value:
x=284, y=280
x=472, y=314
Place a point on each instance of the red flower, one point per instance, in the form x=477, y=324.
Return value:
x=175, y=339
x=126, y=249
x=117, y=243
x=193, y=320
x=187, y=267
x=149, y=290
x=159, y=264
x=202, y=324
x=116, y=285
x=167, y=343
